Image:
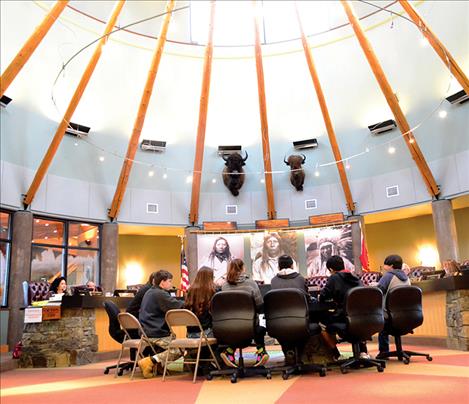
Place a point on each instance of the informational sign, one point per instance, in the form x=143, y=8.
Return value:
x=33, y=315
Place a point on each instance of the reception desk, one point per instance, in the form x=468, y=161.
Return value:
x=75, y=338
x=446, y=311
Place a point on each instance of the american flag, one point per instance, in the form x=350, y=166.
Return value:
x=184, y=271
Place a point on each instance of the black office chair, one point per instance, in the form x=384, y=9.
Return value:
x=116, y=332
x=364, y=313
x=403, y=314
x=234, y=322
x=287, y=319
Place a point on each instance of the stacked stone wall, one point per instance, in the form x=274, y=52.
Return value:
x=457, y=319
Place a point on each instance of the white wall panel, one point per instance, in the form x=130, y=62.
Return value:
x=39, y=201
x=258, y=206
x=321, y=193
x=283, y=203
x=67, y=196
x=180, y=207
x=205, y=207
x=462, y=166
x=140, y=198
x=11, y=184
x=446, y=175
x=362, y=194
x=243, y=201
x=402, y=178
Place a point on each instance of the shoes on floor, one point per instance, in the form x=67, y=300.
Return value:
x=382, y=355
x=229, y=359
x=262, y=358
x=146, y=365
x=364, y=355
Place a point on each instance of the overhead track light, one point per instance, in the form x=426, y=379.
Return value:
x=305, y=144
x=382, y=127
x=459, y=98
x=77, y=130
x=4, y=101
x=226, y=150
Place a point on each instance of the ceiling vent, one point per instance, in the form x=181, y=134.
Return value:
x=152, y=208
x=392, y=191
x=4, y=101
x=305, y=144
x=77, y=130
x=231, y=209
x=382, y=127
x=226, y=150
x=153, y=145
x=459, y=98
x=311, y=204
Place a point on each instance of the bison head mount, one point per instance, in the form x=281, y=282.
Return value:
x=233, y=173
x=297, y=174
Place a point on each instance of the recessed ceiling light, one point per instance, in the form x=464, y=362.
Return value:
x=101, y=158
x=189, y=179
x=391, y=150
x=316, y=173
x=214, y=180
x=442, y=114
x=262, y=180
x=165, y=176
x=151, y=173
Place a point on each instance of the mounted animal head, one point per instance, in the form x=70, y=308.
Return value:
x=235, y=162
x=233, y=173
x=297, y=174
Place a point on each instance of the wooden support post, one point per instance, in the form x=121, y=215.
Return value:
x=326, y=116
x=437, y=45
x=271, y=213
x=60, y=132
x=203, y=110
x=142, y=111
x=30, y=46
x=401, y=120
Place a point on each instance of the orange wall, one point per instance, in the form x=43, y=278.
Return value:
x=139, y=256
x=404, y=237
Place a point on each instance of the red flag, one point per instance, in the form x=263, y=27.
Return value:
x=184, y=271
x=364, y=254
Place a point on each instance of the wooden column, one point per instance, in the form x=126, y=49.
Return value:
x=326, y=116
x=60, y=132
x=142, y=111
x=30, y=46
x=271, y=213
x=437, y=45
x=203, y=110
x=393, y=103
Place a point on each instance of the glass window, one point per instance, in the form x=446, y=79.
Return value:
x=82, y=266
x=4, y=225
x=48, y=232
x=46, y=263
x=4, y=260
x=83, y=235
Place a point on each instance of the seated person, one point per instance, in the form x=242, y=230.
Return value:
x=393, y=278
x=337, y=286
x=92, y=287
x=134, y=305
x=156, y=302
x=238, y=280
x=59, y=286
x=198, y=300
x=287, y=277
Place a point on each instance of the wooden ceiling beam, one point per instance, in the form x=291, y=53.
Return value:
x=140, y=119
x=437, y=45
x=30, y=46
x=60, y=132
x=326, y=116
x=202, y=125
x=392, y=101
x=271, y=213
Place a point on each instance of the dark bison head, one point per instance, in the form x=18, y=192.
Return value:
x=297, y=174
x=235, y=161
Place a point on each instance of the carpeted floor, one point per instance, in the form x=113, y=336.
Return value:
x=444, y=380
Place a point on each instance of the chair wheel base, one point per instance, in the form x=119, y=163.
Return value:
x=106, y=371
x=380, y=369
x=429, y=358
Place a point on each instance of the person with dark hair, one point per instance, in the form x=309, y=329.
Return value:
x=198, y=300
x=393, y=278
x=156, y=302
x=336, y=288
x=134, y=305
x=265, y=267
x=218, y=259
x=287, y=277
x=58, y=285
x=238, y=280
